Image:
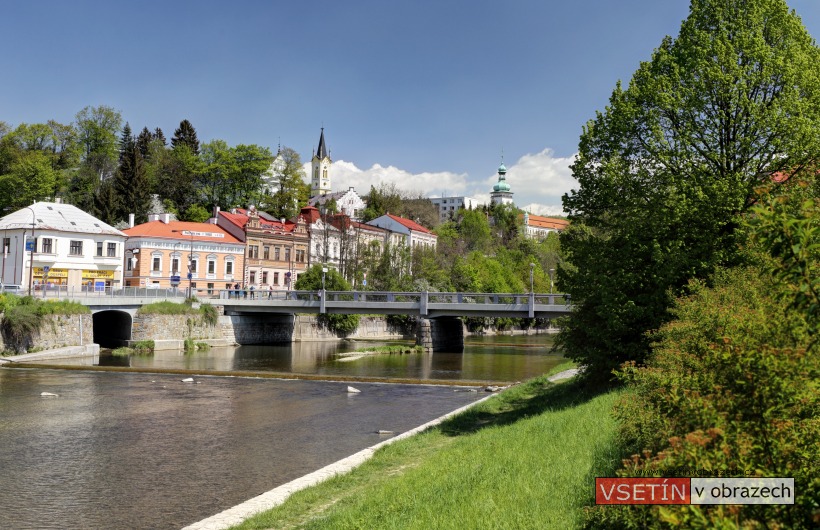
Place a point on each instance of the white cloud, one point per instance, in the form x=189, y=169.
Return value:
x=537, y=180
x=345, y=174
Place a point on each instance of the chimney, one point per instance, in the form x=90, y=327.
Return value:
x=166, y=218
x=153, y=217
x=130, y=220
x=216, y=212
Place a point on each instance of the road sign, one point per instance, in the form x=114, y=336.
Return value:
x=29, y=245
x=190, y=275
x=46, y=268
x=364, y=282
x=175, y=280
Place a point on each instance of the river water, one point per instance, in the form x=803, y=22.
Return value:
x=147, y=451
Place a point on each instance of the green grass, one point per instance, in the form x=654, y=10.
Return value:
x=526, y=458
x=393, y=348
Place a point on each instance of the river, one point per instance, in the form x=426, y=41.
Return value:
x=143, y=450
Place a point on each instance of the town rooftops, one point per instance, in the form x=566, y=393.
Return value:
x=56, y=216
x=240, y=218
x=407, y=223
x=550, y=223
x=182, y=230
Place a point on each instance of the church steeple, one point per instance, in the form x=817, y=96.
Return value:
x=320, y=166
x=501, y=193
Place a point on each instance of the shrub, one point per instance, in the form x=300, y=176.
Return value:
x=20, y=324
x=730, y=388
x=210, y=316
x=166, y=308
x=143, y=347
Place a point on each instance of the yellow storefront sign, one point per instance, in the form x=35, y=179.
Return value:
x=52, y=273
x=98, y=274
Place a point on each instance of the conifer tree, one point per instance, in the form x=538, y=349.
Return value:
x=186, y=135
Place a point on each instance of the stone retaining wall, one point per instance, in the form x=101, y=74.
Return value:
x=58, y=331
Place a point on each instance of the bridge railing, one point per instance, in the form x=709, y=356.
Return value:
x=423, y=298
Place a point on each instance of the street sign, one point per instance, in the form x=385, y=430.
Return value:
x=175, y=280
x=190, y=275
x=46, y=268
x=29, y=245
x=364, y=282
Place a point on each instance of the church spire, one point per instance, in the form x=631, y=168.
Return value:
x=320, y=178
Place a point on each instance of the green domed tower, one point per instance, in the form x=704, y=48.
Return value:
x=501, y=193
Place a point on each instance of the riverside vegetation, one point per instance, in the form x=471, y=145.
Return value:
x=524, y=458
x=24, y=316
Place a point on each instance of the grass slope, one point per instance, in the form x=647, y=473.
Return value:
x=525, y=459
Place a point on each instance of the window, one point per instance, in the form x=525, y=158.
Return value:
x=276, y=253
x=156, y=264
x=287, y=254
x=99, y=248
x=112, y=250
x=211, y=266
x=253, y=251
x=276, y=278
x=129, y=263
x=193, y=265
x=265, y=277
x=300, y=256
x=266, y=252
x=253, y=277
x=46, y=249
x=6, y=245
x=175, y=265
x=75, y=248
x=229, y=268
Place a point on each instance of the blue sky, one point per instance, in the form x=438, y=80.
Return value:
x=423, y=94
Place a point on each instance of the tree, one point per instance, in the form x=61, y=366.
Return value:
x=131, y=183
x=293, y=191
x=97, y=129
x=382, y=200
x=312, y=280
x=668, y=169
x=31, y=178
x=185, y=135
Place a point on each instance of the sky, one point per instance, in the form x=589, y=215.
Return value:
x=429, y=95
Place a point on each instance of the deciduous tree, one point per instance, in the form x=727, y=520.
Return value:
x=668, y=168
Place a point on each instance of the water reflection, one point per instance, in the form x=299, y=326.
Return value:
x=502, y=358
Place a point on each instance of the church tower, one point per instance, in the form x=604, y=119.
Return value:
x=320, y=169
x=501, y=193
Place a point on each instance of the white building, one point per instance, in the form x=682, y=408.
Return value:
x=538, y=227
x=69, y=248
x=348, y=202
x=414, y=235
x=325, y=239
x=448, y=207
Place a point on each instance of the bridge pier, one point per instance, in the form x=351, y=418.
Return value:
x=444, y=334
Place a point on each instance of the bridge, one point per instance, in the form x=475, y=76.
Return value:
x=438, y=312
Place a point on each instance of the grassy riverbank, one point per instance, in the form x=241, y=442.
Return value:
x=526, y=458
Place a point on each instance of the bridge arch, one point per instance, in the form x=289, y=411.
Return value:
x=112, y=328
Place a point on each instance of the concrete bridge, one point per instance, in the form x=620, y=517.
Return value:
x=440, y=327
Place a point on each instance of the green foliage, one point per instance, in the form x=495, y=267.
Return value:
x=668, y=169
x=185, y=135
x=311, y=280
x=19, y=325
x=293, y=192
x=210, y=316
x=730, y=386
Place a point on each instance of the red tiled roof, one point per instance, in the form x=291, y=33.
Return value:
x=412, y=225
x=551, y=223
x=182, y=230
x=311, y=214
x=240, y=219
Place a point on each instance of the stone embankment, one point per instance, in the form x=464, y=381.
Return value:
x=58, y=331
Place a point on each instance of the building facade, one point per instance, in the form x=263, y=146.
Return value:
x=410, y=233
x=538, y=227
x=448, y=207
x=347, y=202
x=55, y=244
x=275, y=250
x=325, y=239
x=161, y=253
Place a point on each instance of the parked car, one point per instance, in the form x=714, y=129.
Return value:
x=10, y=288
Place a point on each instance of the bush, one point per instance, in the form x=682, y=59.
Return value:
x=20, y=324
x=166, y=308
x=731, y=388
x=210, y=316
